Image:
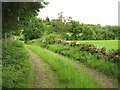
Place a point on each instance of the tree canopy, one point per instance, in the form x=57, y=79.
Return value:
x=16, y=14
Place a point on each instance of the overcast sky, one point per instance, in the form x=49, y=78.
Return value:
x=104, y=12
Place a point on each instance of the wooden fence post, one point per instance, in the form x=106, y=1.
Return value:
x=5, y=39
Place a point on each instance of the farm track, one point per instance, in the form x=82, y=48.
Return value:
x=44, y=76
x=105, y=80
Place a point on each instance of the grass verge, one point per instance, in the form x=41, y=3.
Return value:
x=16, y=66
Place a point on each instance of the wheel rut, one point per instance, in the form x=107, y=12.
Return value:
x=44, y=77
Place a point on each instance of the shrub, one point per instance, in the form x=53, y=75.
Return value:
x=103, y=50
x=16, y=66
x=115, y=55
x=51, y=38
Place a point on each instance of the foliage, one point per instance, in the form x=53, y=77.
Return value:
x=58, y=26
x=47, y=29
x=33, y=29
x=70, y=29
x=103, y=49
x=16, y=66
x=61, y=25
x=16, y=14
x=50, y=38
x=68, y=75
x=80, y=31
x=92, y=60
x=75, y=29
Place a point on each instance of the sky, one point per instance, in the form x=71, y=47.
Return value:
x=104, y=12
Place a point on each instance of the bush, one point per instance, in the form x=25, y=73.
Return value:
x=16, y=65
x=51, y=38
x=103, y=50
x=115, y=55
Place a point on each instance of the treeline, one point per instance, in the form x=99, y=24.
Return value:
x=69, y=29
x=20, y=19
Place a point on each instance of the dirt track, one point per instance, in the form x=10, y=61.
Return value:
x=44, y=76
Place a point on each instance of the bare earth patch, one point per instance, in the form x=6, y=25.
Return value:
x=44, y=76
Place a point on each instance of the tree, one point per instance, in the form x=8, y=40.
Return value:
x=75, y=29
x=47, y=19
x=58, y=26
x=47, y=28
x=16, y=14
x=60, y=16
x=33, y=29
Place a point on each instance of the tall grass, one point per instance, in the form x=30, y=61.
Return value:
x=17, y=67
x=69, y=76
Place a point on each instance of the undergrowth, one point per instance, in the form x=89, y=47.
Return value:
x=16, y=66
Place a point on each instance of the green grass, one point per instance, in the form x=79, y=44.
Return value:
x=69, y=76
x=108, y=44
x=90, y=60
x=16, y=66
